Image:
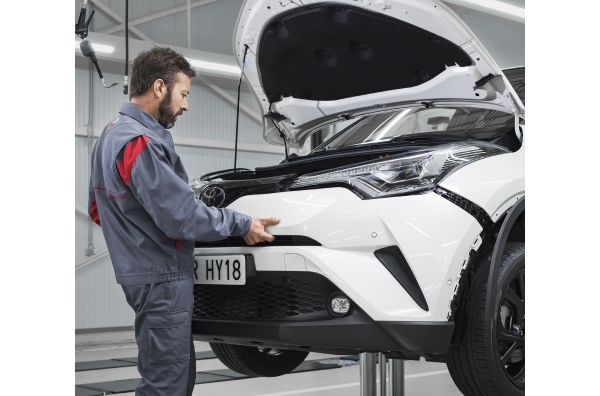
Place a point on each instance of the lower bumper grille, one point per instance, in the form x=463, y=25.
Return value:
x=268, y=295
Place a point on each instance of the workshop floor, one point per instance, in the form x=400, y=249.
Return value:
x=105, y=364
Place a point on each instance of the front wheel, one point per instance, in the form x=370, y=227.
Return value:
x=258, y=361
x=471, y=361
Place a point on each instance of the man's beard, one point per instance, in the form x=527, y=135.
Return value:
x=166, y=117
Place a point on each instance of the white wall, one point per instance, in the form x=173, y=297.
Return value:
x=99, y=301
x=504, y=39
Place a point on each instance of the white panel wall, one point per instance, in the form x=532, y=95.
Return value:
x=99, y=300
x=504, y=39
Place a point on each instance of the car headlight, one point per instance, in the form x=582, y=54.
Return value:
x=404, y=174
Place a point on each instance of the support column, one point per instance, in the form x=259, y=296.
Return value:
x=382, y=375
x=368, y=374
x=396, y=375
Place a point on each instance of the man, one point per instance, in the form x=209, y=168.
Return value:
x=150, y=217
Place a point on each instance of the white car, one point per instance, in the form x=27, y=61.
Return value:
x=390, y=227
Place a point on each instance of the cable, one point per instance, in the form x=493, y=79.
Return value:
x=126, y=76
x=81, y=29
x=237, y=117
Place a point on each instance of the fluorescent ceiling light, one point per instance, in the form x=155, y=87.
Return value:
x=101, y=48
x=216, y=67
x=494, y=7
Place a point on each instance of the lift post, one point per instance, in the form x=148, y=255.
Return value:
x=396, y=374
x=382, y=375
x=392, y=368
x=368, y=374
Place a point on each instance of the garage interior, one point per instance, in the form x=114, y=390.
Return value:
x=202, y=30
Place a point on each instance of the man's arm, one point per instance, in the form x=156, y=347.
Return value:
x=170, y=201
x=92, y=206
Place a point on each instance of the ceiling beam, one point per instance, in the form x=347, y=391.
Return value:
x=493, y=7
x=108, y=11
x=158, y=15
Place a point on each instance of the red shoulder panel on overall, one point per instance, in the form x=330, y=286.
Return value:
x=130, y=153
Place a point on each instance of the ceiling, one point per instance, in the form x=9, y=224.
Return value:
x=212, y=23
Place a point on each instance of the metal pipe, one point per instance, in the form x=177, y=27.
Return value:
x=382, y=374
x=89, y=250
x=91, y=260
x=108, y=11
x=396, y=375
x=189, y=26
x=81, y=212
x=126, y=75
x=368, y=373
x=158, y=15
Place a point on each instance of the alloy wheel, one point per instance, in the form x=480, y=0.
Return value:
x=510, y=329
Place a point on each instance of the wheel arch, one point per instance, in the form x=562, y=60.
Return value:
x=506, y=230
x=509, y=228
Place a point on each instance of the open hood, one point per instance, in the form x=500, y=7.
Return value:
x=313, y=59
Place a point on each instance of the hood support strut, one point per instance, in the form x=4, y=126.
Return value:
x=278, y=117
x=287, y=155
x=237, y=115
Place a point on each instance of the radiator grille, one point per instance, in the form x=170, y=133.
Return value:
x=269, y=295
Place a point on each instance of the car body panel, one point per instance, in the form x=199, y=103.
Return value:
x=434, y=235
x=493, y=183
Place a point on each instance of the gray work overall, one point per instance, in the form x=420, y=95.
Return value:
x=151, y=218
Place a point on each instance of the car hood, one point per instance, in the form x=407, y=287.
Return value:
x=310, y=60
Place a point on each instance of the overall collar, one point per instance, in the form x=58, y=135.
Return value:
x=135, y=112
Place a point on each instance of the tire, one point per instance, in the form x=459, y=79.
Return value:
x=471, y=361
x=255, y=362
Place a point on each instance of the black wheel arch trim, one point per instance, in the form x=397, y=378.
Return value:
x=468, y=206
x=492, y=289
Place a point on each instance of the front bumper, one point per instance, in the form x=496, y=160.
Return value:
x=289, y=310
x=434, y=235
x=341, y=336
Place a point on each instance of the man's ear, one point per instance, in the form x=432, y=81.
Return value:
x=159, y=88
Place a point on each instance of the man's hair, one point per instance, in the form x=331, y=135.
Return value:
x=159, y=62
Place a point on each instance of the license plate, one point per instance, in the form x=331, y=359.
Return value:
x=220, y=270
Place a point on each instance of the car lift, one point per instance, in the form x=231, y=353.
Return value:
x=392, y=368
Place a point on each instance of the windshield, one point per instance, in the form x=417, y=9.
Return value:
x=420, y=123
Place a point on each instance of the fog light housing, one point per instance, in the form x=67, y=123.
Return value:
x=339, y=304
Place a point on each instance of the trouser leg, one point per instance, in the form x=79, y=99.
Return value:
x=192, y=367
x=166, y=358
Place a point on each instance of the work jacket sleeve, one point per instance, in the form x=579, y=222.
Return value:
x=172, y=204
x=92, y=206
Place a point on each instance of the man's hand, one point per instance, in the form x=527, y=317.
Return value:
x=257, y=231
